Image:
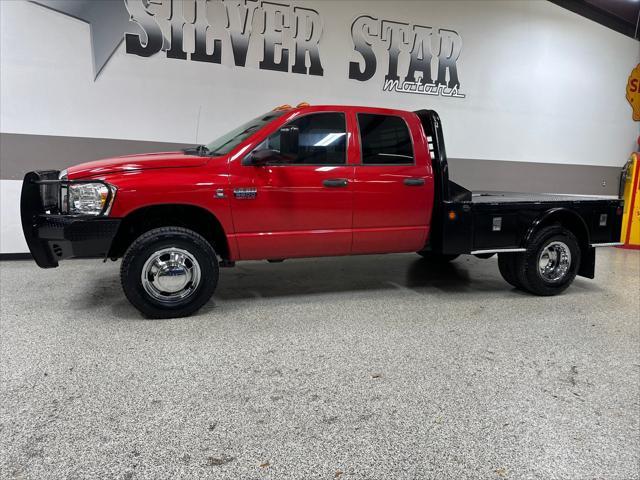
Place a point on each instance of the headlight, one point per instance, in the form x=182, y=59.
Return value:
x=89, y=198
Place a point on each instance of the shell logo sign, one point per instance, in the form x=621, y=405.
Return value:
x=633, y=92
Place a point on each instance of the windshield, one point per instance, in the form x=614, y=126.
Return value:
x=227, y=142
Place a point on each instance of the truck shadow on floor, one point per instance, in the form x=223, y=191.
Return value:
x=354, y=274
x=369, y=273
x=335, y=275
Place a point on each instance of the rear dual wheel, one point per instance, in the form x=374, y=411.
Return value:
x=507, y=263
x=549, y=265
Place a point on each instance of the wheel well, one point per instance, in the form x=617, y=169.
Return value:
x=568, y=219
x=194, y=218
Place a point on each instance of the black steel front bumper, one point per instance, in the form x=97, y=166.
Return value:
x=52, y=236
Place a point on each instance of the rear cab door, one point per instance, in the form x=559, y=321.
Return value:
x=393, y=182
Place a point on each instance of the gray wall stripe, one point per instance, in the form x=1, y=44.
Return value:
x=21, y=153
x=534, y=177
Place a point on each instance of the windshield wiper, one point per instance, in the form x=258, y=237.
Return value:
x=200, y=150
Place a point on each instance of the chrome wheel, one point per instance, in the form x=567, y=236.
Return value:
x=170, y=275
x=554, y=261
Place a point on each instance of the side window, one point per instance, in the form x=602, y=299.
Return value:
x=322, y=140
x=385, y=139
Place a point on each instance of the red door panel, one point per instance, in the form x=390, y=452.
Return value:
x=388, y=215
x=293, y=213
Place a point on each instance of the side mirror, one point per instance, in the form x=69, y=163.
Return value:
x=289, y=141
x=259, y=158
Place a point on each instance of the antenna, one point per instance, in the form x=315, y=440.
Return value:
x=198, y=123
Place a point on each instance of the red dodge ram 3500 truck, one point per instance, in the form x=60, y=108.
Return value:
x=302, y=182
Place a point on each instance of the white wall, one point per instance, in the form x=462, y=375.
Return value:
x=542, y=84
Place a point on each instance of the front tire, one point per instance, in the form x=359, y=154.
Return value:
x=169, y=272
x=551, y=261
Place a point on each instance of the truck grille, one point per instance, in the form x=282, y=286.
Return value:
x=50, y=192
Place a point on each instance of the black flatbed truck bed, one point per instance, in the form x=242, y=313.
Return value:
x=505, y=223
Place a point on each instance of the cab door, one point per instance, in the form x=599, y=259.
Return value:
x=393, y=185
x=301, y=205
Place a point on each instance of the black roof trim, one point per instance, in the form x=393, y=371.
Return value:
x=601, y=16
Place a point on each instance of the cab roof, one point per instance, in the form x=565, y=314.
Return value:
x=305, y=105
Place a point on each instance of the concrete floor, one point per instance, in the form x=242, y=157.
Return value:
x=366, y=367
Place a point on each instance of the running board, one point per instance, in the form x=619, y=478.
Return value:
x=498, y=250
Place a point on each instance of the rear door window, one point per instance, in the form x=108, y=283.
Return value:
x=385, y=140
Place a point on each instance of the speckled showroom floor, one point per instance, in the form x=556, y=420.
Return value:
x=365, y=367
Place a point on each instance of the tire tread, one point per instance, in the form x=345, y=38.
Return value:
x=507, y=264
x=141, y=243
x=527, y=264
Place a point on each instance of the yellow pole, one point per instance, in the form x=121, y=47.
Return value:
x=631, y=218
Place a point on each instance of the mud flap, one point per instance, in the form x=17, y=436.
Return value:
x=588, y=263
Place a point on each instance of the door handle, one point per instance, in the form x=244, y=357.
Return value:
x=335, y=182
x=414, y=182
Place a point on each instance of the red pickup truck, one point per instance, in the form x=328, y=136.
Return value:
x=302, y=182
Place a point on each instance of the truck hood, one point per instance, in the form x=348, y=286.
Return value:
x=135, y=162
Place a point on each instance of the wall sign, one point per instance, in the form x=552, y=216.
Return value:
x=273, y=21
x=424, y=44
x=289, y=37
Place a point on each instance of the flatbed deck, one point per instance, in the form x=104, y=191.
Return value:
x=485, y=222
x=520, y=197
